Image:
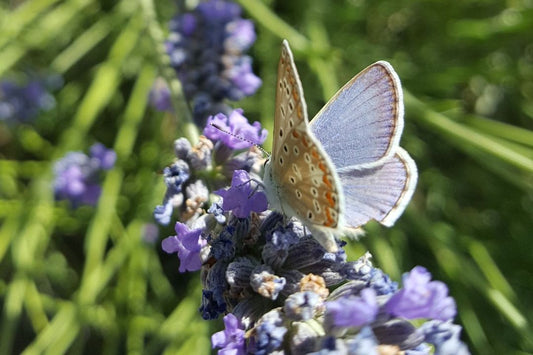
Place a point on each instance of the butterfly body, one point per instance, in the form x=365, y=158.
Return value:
x=346, y=167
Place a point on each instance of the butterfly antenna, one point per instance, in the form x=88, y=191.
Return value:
x=241, y=138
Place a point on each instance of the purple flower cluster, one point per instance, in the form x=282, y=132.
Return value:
x=23, y=102
x=215, y=156
x=272, y=278
x=206, y=49
x=77, y=175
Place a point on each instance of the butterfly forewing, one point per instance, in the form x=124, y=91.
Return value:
x=362, y=124
x=291, y=110
x=308, y=183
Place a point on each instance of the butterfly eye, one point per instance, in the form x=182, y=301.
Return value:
x=266, y=162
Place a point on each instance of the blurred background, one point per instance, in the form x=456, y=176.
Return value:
x=93, y=279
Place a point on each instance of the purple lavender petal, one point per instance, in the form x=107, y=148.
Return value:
x=353, y=311
x=241, y=35
x=106, y=157
x=237, y=125
x=188, y=244
x=241, y=198
x=231, y=340
x=422, y=298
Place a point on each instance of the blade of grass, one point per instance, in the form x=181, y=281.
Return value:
x=98, y=229
x=23, y=16
x=11, y=312
x=84, y=43
x=48, y=27
x=273, y=23
x=500, y=129
x=103, y=86
x=462, y=134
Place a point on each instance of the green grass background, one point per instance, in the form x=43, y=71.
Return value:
x=84, y=281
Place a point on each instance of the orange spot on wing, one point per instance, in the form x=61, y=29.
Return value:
x=330, y=199
x=326, y=181
x=295, y=134
x=329, y=219
x=295, y=96
x=305, y=142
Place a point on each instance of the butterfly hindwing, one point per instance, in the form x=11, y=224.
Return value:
x=380, y=193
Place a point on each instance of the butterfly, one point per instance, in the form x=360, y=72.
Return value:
x=346, y=167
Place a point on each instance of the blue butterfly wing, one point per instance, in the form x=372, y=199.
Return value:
x=380, y=193
x=362, y=124
x=360, y=129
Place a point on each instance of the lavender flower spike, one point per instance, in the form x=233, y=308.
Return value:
x=23, y=102
x=207, y=50
x=77, y=175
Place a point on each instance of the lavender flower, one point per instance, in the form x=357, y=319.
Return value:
x=178, y=177
x=364, y=343
x=23, y=102
x=302, y=306
x=444, y=336
x=242, y=198
x=353, y=311
x=77, y=176
x=269, y=334
x=206, y=49
x=231, y=340
x=188, y=190
x=188, y=244
x=237, y=125
x=422, y=298
x=273, y=277
x=105, y=158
